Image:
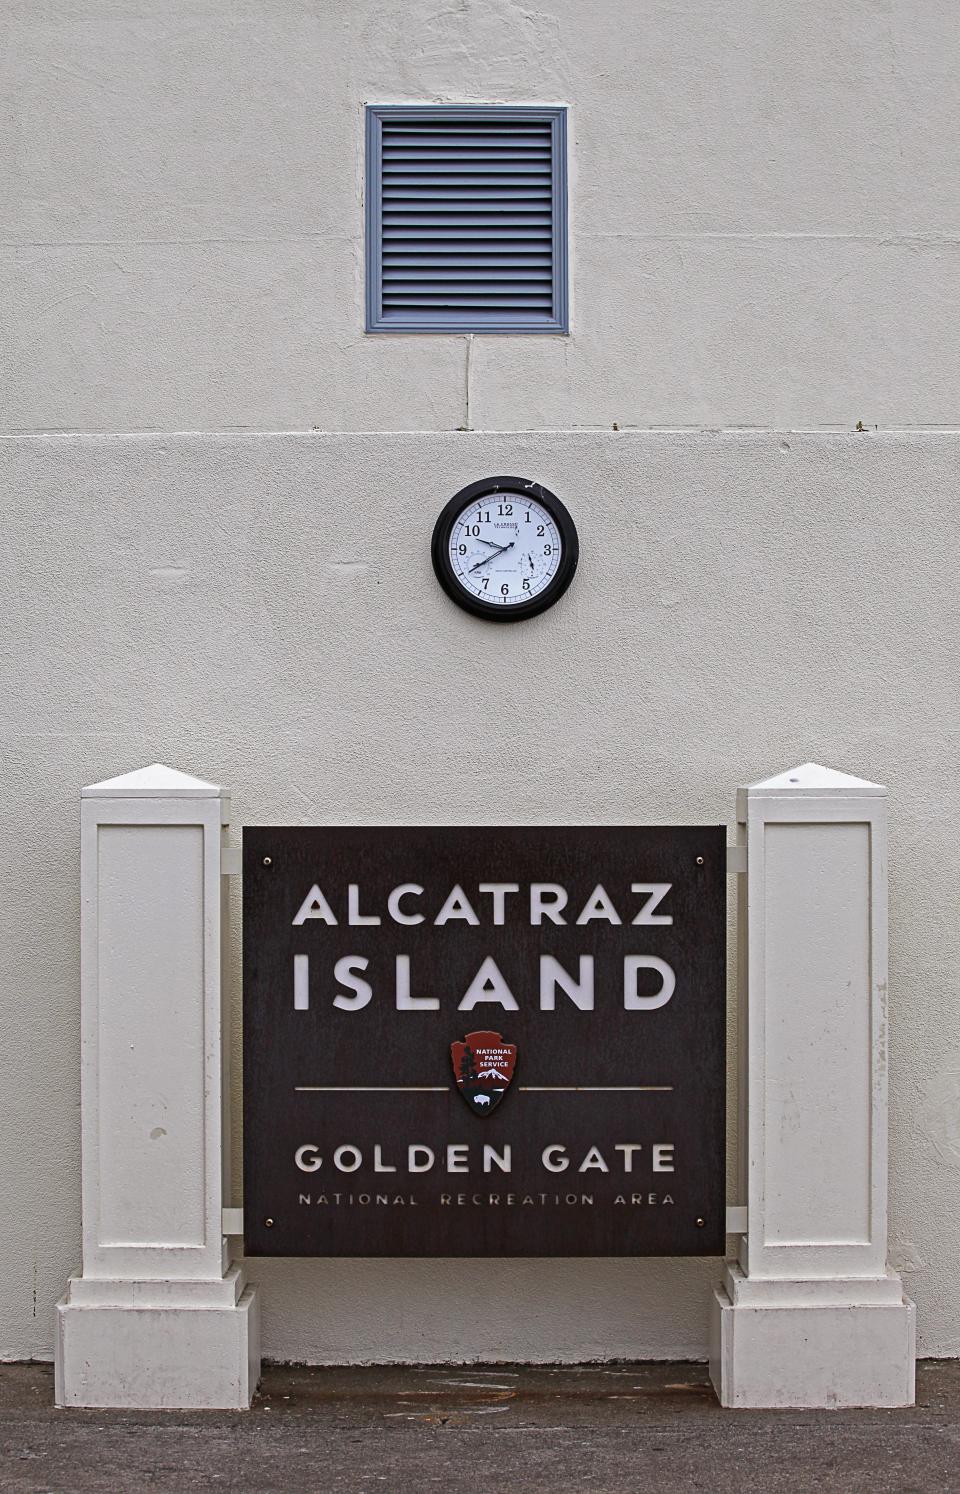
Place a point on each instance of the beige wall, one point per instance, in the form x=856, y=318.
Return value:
x=260, y=610
x=765, y=223
x=763, y=209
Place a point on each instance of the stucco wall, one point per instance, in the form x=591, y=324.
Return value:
x=765, y=231
x=764, y=217
x=260, y=610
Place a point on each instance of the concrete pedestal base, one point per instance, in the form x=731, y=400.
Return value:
x=812, y=1344
x=160, y=1347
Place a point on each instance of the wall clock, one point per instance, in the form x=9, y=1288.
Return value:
x=505, y=548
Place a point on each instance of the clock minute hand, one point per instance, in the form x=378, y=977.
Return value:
x=486, y=561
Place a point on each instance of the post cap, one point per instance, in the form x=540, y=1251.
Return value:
x=156, y=782
x=814, y=778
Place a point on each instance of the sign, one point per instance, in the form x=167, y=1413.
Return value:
x=484, y=1041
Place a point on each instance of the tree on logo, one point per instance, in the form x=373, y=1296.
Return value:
x=468, y=1073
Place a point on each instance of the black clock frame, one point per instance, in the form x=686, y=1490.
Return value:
x=446, y=575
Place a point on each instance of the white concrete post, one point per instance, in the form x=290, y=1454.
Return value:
x=810, y=1315
x=158, y=1315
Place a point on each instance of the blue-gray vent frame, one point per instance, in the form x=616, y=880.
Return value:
x=430, y=319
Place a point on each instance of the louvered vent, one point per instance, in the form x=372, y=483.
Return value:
x=466, y=219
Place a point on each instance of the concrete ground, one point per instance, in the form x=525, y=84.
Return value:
x=642, y=1427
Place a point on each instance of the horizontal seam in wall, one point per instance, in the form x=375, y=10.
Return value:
x=931, y=238
x=178, y=242
x=574, y=432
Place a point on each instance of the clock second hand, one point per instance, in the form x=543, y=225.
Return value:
x=501, y=549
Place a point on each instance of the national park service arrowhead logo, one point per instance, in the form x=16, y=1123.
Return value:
x=483, y=1067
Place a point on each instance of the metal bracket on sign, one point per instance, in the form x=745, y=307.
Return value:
x=736, y=860
x=231, y=1221
x=231, y=861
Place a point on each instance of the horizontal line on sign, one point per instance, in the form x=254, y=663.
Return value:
x=595, y=1089
x=371, y=1089
x=442, y=1089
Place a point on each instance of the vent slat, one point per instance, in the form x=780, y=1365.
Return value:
x=467, y=236
x=436, y=164
x=516, y=173
x=459, y=220
x=397, y=279
x=465, y=166
x=453, y=319
x=466, y=218
x=487, y=179
x=468, y=160
x=467, y=261
x=442, y=194
x=488, y=215
x=458, y=135
x=492, y=301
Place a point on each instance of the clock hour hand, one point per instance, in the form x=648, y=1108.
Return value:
x=487, y=559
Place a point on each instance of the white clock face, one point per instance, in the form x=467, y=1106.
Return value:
x=504, y=549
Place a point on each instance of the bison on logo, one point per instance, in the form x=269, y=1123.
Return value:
x=483, y=1066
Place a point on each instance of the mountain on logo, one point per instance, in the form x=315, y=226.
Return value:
x=483, y=1067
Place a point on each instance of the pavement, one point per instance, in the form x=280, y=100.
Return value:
x=612, y=1428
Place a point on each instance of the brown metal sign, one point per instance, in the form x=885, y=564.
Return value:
x=484, y=1041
